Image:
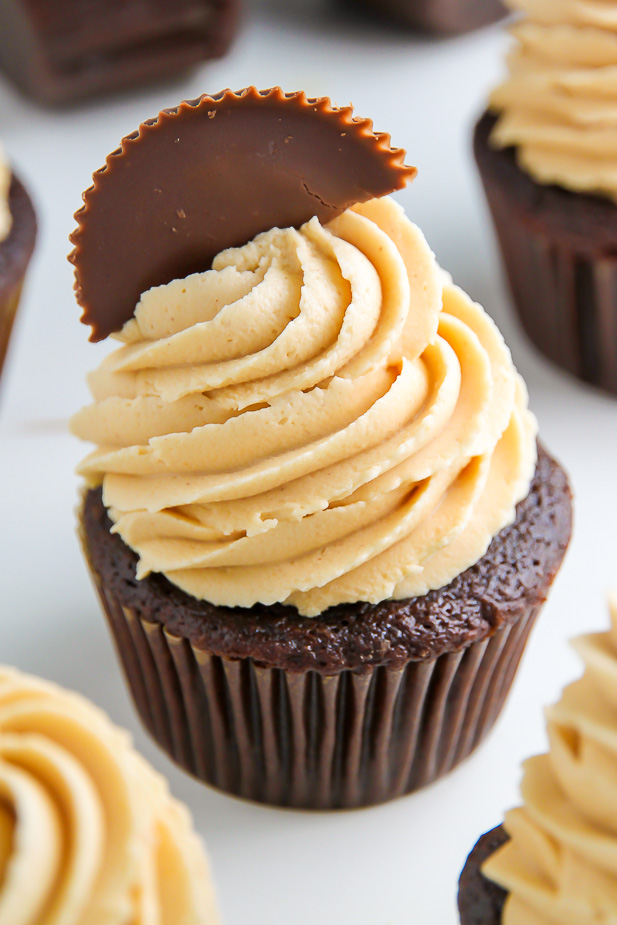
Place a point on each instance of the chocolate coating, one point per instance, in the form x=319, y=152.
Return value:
x=481, y=902
x=15, y=253
x=61, y=50
x=513, y=576
x=212, y=174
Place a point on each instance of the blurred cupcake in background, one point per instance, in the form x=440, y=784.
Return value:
x=58, y=51
x=554, y=861
x=547, y=153
x=88, y=830
x=446, y=17
x=17, y=237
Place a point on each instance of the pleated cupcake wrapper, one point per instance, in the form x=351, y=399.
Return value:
x=305, y=739
x=566, y=298
x=9, y=302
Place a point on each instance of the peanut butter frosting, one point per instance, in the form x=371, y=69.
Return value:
x=560, y=866
x=5, y=185
x=558, y=105
x=320, y=418
x=89, y=834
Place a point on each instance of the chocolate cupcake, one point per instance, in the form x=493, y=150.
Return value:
x=445, y=17
x=58, y=51
x=90, y=832
x=546, y=152
x=316, y=516
x=17, y=237
x=555, y=859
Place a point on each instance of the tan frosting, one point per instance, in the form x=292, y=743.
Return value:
x=307, y=423
x=89, y=834
x=560, y=866
x=5, y=183
x=558, y=105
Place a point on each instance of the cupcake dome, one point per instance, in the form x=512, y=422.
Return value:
x=88, y=830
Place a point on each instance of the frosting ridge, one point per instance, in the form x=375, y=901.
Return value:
x=322, y=417
x=558, y=105
x=560, y=866
x=5, y=184
x=89, y=834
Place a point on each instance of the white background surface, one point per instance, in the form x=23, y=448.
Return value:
x=394, y=864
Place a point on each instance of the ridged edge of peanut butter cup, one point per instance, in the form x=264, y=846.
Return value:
x=212, y=173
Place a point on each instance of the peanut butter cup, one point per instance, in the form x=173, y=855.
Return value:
x=213, y=173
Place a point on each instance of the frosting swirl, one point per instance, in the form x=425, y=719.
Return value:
x=89, y=834
x=560, y=867
x=6, y=219
x=322, y=417
x=558, y=105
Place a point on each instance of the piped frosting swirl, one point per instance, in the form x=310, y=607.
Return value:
x=89, y=834
x=320, y=418
x=558, y=105
x=6, y=219
x=560, y=866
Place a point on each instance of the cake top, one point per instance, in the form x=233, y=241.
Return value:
x=211, y=174
x=558, y=105
x=89, y=834
x=560, y=865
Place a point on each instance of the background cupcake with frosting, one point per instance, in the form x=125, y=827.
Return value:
x=547, y=150
x=317, y=516
x=554, y=861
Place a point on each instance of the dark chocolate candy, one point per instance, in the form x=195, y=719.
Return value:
x=513, y=575
x=559, y=252
x=211, y=174
x=60, y=50
x=481, y=902
x=15, y=253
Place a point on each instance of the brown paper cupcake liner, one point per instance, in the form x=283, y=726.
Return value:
x=563, y=281
x=305, y=739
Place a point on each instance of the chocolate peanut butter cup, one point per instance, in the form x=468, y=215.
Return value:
x=316, y=517
x=15, y=253
x=213, y=173
x=58, y=51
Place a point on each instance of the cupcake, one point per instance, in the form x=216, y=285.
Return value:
x=546, y=151
x=17, y=236
x=316, y=515
x=555, y=858
x=445, y=17
x=88, y=830
x=59, y=51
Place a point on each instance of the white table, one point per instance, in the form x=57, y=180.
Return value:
x=394, y=864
